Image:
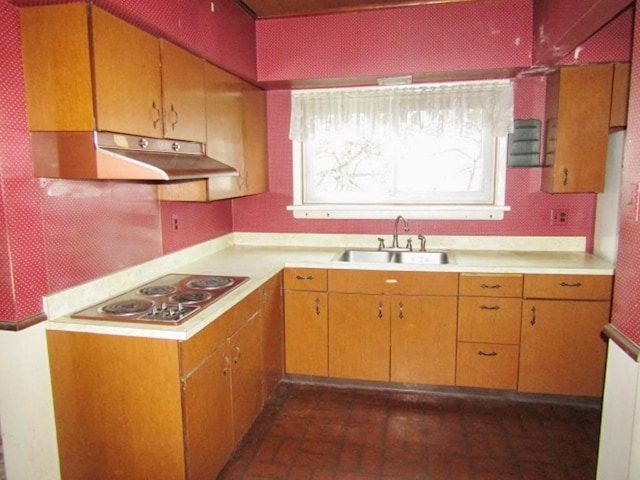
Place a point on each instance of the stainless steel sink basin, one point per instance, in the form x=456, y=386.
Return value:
x=422, y=258
x=387, y=256
x=365, y=256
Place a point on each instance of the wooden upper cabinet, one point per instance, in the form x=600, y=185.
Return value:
x=50, y=107
x=255, y=178
x=578, y=107
x=620, y=95
x=183, y=91
x=86, y=69
x=127, y=82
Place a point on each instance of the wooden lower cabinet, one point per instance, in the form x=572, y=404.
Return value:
x=272, y=334
x=246, y=376
x=423, y=339
x=210, y=385
x=134, y=407
x=118, y=406
x=306, y=333
x=562, y=350
x=359, y=326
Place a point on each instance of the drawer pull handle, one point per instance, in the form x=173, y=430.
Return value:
x=401, y=313
x=485, y=307
x=565, y=177
x=488, y=354
x=495, y=286
x=317, y=305
x=565, y=284
x=380, y=305
x=533, y=316
x=391, y=280
x=300, y=277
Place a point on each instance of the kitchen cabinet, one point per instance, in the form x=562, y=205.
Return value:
x=236, y=133
x=133, y=407
x=578, y=110
x=423, y=339
x=86, y=69
x=561, y=350
x=306, y=321
x=392, y=326
x=489, y=315
x=208, y=411
x=272, y=334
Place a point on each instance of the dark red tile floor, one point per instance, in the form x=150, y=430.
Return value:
x=328, y=433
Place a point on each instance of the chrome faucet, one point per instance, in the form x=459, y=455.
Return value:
x=395, y=244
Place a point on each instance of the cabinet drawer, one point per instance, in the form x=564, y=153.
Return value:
x=488, y=285
x=487, y=365
x=383, y=282
x=579, y=287
x=489, y=319
x=311, y=279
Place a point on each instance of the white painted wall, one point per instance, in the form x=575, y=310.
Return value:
x=619, y=453
x=26, y=406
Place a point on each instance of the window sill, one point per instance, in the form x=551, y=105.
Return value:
x=440, y=212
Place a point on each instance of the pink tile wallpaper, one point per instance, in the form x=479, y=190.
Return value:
x=434, y=38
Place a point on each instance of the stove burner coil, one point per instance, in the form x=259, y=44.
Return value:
x=157, y=290
x=127, y=307
x=191, y=297
x=210, y=283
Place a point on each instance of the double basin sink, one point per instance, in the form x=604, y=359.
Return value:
x=393, y=256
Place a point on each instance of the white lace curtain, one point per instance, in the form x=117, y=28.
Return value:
x=403, y=111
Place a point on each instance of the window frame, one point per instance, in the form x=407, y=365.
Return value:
x=443, y=211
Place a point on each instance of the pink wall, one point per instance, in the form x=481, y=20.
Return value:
x=489, y=34
x=562, y=25
x=295, y=49
x=58, y=233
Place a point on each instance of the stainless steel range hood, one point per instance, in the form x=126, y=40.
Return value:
x=113, y=156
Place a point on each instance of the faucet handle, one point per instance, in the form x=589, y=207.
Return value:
x=423, y=243
x=409, y=246
x=380, y=243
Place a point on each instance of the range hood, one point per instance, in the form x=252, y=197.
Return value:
x=114, y=156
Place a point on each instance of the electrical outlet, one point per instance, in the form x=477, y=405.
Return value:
x=559, y=217
x=174, y=222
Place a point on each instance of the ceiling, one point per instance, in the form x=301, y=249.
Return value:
x=287, y=8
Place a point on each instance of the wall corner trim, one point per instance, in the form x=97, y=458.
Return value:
x=627, y=345
x=16, y=326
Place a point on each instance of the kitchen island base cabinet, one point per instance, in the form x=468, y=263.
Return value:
x=131, y=407
x=117, y=403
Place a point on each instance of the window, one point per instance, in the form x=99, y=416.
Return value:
x=429, y=151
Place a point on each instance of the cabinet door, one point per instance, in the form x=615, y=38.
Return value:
x=126, y=76
x=224, y=126
x=562, y=350
x=306, y=333
x=183, y=94
x=246, y=375
x=578, y=109
x=359, y=328
x=272, y=334
x=423, y=339
x=208, y=416
x=255, y=140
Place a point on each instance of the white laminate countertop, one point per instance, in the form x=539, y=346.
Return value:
x=231, y=256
